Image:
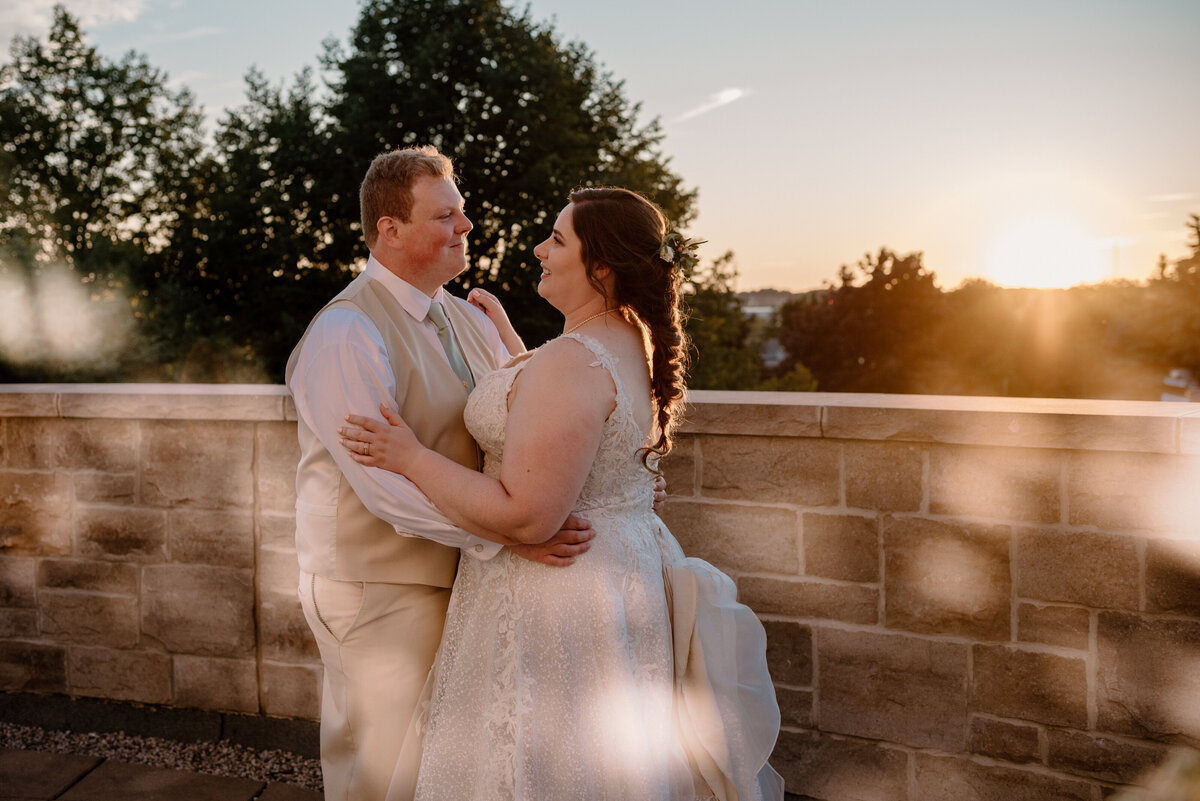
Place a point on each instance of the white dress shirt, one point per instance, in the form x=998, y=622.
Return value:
x=343, y=369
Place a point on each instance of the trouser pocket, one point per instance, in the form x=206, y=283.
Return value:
x=337, y=604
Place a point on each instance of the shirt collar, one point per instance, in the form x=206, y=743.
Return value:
x=411, y=299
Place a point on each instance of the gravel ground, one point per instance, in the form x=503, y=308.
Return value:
x=218, y=759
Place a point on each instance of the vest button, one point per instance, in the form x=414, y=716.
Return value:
x=478, y=549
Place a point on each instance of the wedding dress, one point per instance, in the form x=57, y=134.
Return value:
x=553, y=684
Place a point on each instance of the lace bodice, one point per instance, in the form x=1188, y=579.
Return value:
x=617, y=477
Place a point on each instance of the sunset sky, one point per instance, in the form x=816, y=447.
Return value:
x=1033, y=143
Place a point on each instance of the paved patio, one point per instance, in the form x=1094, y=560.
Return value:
x=43, y=776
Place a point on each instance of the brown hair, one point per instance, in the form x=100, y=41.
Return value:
x=623, y=231
x=386, y=190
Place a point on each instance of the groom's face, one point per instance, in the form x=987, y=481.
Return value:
x=433, y=242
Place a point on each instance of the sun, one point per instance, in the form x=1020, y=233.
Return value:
x=1047, y=252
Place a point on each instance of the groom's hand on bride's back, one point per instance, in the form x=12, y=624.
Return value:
x=561, y=549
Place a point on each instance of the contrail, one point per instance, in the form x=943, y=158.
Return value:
x=721, y=98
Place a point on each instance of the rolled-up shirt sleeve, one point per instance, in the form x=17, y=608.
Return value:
x=344, y=369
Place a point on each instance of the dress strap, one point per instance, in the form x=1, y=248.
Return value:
x=609, y=362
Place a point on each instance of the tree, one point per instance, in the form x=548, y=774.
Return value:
x=98, y=159
x=722, y=357
x=525, y=117
x=877, y=337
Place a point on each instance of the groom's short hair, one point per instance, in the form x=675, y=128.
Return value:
x=386, y=190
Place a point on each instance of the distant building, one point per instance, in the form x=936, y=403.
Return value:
x=1180, y=385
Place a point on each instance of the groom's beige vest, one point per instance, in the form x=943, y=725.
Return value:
x=346, y=541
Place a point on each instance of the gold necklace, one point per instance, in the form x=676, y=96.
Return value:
x=587, y=320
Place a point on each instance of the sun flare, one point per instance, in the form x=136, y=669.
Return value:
x=1047, y=252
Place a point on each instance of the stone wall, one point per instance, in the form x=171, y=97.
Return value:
x=966, y=598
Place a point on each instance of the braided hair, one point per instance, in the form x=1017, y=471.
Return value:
x=623, y=231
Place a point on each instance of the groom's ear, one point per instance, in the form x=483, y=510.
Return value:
x=387, y=229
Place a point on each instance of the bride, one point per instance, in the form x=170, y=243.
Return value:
x=633, y=674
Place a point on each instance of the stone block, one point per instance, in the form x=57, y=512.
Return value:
x=1102, y=757
x=129, y=782
x=891, y=687
x=1014, y=682
x=131, y=534
x=291, y=691
x=31, y=442
x=228, y=685
x=735, y=537
x=1005, y=484
x=32, y=667
x=40, y=774
x=29, y=400
x=214, y=402
x=115, y=488
x=679, y=468
x=789, y=652
x=140, y=676
x=1133, y=490
x=283, y=633
x=884, y=476
x=207, y=537
x=18, y=624
x=780, y=414
x=35, y=513
x=196, y=609
x=947, y=578
x=115, y=578
x=819, y=766
x=948, y=778
x=842, y=547
x=108, y=446
x=278, y=572
x=1065, y=626
x=1005, y=740
x=277, y=532
x=206, y=465
x=1090, y=568
x=1148, y=676
x=1062, y=424
x=89, y=618
x=795, y=707
x=278, y=453
x=848, y=603
x=17, y=586
x=805, y=472
x=1173, y=576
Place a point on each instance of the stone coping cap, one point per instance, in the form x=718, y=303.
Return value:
x=1145, y=426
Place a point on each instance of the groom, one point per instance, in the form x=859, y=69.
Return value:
x=377, y=560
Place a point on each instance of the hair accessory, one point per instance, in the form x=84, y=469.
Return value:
x=680, y=251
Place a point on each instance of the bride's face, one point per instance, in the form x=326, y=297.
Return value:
x=564, y=280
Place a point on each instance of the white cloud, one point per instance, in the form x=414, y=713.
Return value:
x=721, y=98
x=32, y=17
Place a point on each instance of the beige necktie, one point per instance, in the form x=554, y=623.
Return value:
x=446, y=336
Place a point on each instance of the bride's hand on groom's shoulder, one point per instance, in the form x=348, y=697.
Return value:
x=489, y=304
x=389, y=444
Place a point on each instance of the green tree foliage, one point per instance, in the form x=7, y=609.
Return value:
x=879, y=336
x=226, y=252
x=99, y=165
x=525, y=117
x=723, y=356
x=1176, y=289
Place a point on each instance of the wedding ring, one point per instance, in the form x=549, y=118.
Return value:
x=367, y=449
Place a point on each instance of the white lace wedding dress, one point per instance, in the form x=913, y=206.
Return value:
x=553, y=684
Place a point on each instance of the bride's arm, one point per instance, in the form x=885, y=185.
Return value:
x=555, y=421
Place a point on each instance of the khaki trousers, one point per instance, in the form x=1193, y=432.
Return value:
x=377, y=643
